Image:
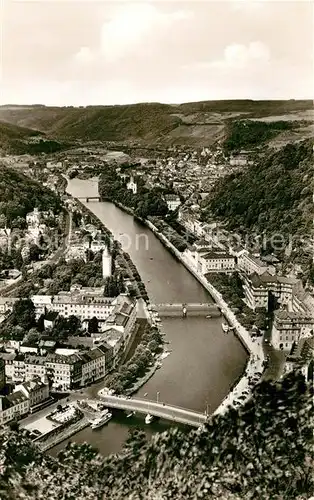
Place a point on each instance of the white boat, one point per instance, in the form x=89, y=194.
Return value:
x=130, y=414
x=208, y=316
x=225, y=327
x=149, y=418
x=99, y=422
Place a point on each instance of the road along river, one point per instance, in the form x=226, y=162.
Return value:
x=204, y=362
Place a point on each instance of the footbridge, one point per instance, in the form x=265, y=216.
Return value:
x=158, y=409
x=88, y=198
x=189, y=309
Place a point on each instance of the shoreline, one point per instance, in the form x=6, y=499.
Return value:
x=254, y=366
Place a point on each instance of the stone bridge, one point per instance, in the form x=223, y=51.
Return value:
x=187, y=309
x=158, y=409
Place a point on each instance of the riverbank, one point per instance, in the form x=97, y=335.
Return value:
x=63, y=435
x=240, y=393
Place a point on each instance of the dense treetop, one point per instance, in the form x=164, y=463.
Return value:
x=261, y=451
x=20, y=194
x=272, y=195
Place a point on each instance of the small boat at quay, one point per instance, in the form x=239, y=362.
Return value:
x=102, y=420
x=225, y=327
x=149, y=418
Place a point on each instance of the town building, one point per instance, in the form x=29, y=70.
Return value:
x=259, y=290
x=85, y=303
x=106, y=263
x=249, y=264
x=291, y=329
x=64, y=372
x=94, y=365
x=36, y=390
x=132, y=185
x=6, y=304
x=13, y=406
x=173, y=201
x=217, y=262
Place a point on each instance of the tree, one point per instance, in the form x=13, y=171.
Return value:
x=23, y=313
x=93, y=325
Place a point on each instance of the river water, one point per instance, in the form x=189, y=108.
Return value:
x=204, y=362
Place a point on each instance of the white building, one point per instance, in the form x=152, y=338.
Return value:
x=132, y=186
x=94, y=365
x=259, y=288
x=290, y=328
x=33, y=218
x=65, y=372
x=249, y=264
x=217, y=262
x=173, y=201
x=106, y=263
x=36, y=390
x=85, y=303
x=13, y=406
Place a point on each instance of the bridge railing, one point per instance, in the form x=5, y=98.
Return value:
x=151, y=403
x=168, y=413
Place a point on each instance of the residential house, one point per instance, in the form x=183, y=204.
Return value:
x=65, y=372
x=36, y=390
x=35, y=366
x=217, y=262
x=13, y=406
x=291, y=328
x=94, y=365
x=259, y=289
x=249, y=264
x=50, y=319
x=85, y=303
x=132, y=185
x=173, y=201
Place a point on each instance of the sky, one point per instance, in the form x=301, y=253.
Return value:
x=69, y=52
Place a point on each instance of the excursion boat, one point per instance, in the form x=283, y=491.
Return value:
x=99, y=422
x=149, y=418
x=225, y=327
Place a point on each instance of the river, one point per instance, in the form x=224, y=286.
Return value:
x=204, y=362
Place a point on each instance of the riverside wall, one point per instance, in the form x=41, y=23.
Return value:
x=241, y=332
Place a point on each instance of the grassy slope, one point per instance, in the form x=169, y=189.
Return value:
x=191, y=123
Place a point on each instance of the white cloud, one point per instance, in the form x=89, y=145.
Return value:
x=129, y=29
x=239, y=56
x=84, y=55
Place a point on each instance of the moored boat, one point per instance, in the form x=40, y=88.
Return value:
x=225, y=327
x=149, y=418
x=99, y=422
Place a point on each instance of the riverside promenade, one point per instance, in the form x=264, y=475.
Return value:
x=241, y=392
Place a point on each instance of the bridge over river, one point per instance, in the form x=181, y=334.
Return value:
x=158, y=409
x=88, y=198
x=189, y=309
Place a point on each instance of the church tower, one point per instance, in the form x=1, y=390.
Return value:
x=106, y=263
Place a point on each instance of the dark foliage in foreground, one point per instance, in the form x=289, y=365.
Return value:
x=263, y=451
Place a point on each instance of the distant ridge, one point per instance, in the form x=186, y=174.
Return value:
x=194, y=123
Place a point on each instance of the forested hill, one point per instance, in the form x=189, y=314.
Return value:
x=21, y=140
x=273, y=195
x=20, y=195
x=262, y=451
x=193, y=124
